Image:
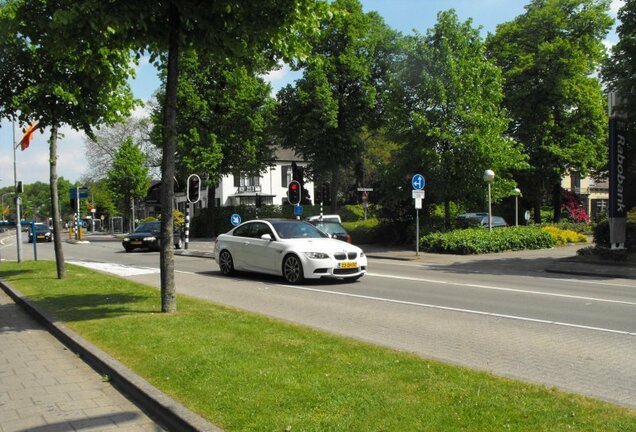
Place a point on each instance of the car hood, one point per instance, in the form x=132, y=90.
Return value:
x=140, y=235
x=321, y=245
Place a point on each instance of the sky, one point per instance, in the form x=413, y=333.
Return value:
x=402, y=15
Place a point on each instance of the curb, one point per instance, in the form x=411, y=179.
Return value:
x=170, y=414
x=78, y=242
x=194, y=253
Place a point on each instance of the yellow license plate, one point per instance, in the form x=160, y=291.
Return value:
x=40, y=236
x=135, y=242
x=347, y=265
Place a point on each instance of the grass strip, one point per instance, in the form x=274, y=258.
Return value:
x=246, y=372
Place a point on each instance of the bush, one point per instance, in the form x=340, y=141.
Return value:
x=564, y=236
x=362, y=232
x=479, y=240
x=582, y=228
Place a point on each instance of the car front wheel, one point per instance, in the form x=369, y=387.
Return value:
x=293, y=269
x=225, y=263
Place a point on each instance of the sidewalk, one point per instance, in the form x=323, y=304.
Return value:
x=46, y=387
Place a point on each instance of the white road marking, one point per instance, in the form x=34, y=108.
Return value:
x=393, y=263
x=469, y=311
x=487, y=287
x=116, y=269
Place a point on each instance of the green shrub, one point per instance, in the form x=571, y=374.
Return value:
x=363, y=231
x=479, y=240
x=564, y=236
x=583, y=228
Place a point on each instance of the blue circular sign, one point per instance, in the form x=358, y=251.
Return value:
x=418, y=181
x=235, y=219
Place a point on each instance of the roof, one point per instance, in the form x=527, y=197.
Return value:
x=286, y=155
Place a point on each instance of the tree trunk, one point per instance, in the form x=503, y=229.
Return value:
x=537, y=209
x=210, y=229
x=556, y=202
x=55, y=207
x=447, y=211
x=166, y=255
x=333, y=191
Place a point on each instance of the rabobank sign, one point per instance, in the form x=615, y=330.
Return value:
x=617, y=166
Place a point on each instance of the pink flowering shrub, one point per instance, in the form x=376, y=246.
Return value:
x=573, y=207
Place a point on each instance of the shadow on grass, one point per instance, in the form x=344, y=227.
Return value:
x=84, y=307
x=6, y=274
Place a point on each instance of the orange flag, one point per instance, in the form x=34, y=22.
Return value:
x=28, y=136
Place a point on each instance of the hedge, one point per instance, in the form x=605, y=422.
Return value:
x=480, y=240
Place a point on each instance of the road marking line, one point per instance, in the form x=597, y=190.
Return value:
x=578, y=281
x=469, y=311
x=117, y=269
x=488, y=287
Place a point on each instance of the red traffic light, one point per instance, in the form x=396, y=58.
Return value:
x=293, y=192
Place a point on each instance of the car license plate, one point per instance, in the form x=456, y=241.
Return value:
x=135, y=242
x=40, y=236
x=347, y=265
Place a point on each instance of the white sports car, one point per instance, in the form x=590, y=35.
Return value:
x=294, y=249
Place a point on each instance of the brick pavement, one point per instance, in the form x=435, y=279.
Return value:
x=46, y=388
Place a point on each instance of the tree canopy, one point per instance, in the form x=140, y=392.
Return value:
x=446, y=108
x=548, y=56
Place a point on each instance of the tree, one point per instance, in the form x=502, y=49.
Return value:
x=128, y=179
x=223, y=122
x=619, y=72
x=51, y=76
x=222, y=29
x=323, y=115
x=101, y=148
x=446, y=109
x=548, y=56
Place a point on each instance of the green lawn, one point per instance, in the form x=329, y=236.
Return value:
x=246, y=372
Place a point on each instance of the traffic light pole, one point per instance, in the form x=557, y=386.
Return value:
x=187, y=225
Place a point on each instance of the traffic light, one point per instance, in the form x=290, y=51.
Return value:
x=324, y=193
x=19, y=188
x=293, y=192
x=193, y=192
x=73, y=204
x=259, y=201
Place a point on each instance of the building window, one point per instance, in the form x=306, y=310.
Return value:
x=575, y=179
x=286, y=175
x=247, y=183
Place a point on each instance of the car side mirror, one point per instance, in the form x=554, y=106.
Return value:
x=266, y=237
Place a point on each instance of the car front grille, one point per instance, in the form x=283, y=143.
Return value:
x=345, y=271
x=340, y=256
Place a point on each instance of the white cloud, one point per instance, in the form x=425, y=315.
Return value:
x=615, y=6
x=276, y=75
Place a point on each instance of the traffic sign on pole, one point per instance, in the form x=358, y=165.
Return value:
x=418, y=181
x=235, y=219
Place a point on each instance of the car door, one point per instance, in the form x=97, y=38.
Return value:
x=238, y=244
x=264, y=255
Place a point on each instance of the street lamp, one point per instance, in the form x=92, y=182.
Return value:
x=517, y=195
x=489, y=176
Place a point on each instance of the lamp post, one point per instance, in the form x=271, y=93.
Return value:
x=489, y=176
x=517, y=195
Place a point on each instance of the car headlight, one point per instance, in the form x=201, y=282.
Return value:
x=126, y=239
x=149, y=239
x=316, y=255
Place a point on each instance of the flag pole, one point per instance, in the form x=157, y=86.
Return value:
x=18, y=227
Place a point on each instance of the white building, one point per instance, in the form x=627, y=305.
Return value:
x=241, y=189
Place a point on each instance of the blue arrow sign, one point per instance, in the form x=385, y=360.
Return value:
x=298, y=210
x=235, y=219
x=418, y=182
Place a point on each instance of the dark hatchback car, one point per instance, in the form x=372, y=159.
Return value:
x=147, y=236
x=335, y=229
x=480, y=220
x=42, y=233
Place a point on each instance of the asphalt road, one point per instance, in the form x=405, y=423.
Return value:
x=502, y=315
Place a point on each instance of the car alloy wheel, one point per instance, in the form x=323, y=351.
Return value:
x=225, y=263
x=292, y=269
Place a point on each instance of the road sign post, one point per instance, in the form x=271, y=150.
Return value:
x=418, y=182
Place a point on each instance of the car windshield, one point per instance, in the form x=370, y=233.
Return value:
x=41, y=228
x=292, y=230
x=148, y=227
x=330, y=227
